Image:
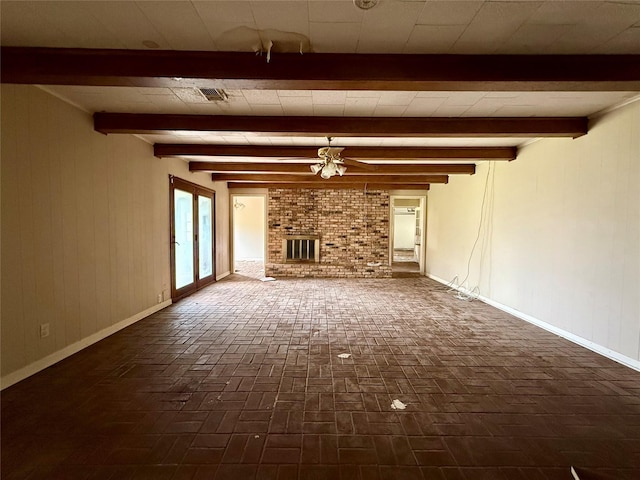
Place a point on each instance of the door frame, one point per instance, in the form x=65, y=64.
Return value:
x=198, y=283
x=232, y=199
x=422, y=257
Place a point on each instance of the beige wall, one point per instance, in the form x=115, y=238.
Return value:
x=85, y=222
x=249, y=227
x=560, y=237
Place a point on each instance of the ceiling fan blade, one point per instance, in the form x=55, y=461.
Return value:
x=358, y=164
x=334, y=150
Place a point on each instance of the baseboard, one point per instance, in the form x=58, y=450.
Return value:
x=222, y=275
x=39, y=365
x=572, y=337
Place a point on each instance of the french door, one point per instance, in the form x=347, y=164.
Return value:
x=192, y=237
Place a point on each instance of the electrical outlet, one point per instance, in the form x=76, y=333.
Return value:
x=160, y=298
x=44, y=330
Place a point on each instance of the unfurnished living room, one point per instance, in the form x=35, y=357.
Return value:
x=346, y=239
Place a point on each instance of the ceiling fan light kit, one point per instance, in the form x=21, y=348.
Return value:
x=316, y=168
x=328, y=168
x=331, y=163
x=328, y=172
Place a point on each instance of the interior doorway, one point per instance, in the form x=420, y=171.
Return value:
x=248, y=218
x=407, y=235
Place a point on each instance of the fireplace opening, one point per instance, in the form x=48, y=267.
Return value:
x=301, y=249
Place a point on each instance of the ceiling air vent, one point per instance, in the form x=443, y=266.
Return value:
x=214, y=94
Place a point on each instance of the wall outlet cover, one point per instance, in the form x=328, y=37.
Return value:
x=44, y=330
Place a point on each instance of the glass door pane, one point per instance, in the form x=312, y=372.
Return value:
x=192, y=237
x=183, y=221
x=205, y=239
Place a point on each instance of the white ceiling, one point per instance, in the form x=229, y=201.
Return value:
x=250, y=139
x=393, y=26
x=343, y=103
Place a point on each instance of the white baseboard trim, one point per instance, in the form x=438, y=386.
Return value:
x=222, y=275
x=39, y=365
x=572, y=337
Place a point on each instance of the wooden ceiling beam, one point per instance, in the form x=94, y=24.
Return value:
x=336, y=186
x=247, y=167
x=152, y=123
x=294, y=178
x=319, y=71
x=254, y=167
x=357, y=153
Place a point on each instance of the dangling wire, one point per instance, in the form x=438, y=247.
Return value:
x=452, y=285
x=474, y=293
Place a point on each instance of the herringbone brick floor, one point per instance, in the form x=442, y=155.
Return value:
x=244, y=381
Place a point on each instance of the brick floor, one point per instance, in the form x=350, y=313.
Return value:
x=243, y=381
x=249, y=268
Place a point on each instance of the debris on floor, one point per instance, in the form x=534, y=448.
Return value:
x=267, y=279
x=422, y=323
x=398, y=405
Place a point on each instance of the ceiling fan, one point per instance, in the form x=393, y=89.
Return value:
x=331, y=163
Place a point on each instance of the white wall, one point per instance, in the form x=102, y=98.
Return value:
x=560, y=238
x=249, y=228
x=404, y=230
x=85, y=229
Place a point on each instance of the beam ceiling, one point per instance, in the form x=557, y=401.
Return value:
x=320, y=71
x=335, y=186
x=357, y=153
x=310, y=178
x=149, y=123
x=254, y=167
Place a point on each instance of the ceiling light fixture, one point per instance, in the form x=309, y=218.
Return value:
x=365, y=4
x=331, y=163
x=328, y=168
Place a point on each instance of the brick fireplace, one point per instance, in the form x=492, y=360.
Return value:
x=352, y=228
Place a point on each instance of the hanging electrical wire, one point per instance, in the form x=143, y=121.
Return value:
x=462, y=292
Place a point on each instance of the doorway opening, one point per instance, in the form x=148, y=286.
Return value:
x=192, y=237
x=407, y=236
x=248, y=218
